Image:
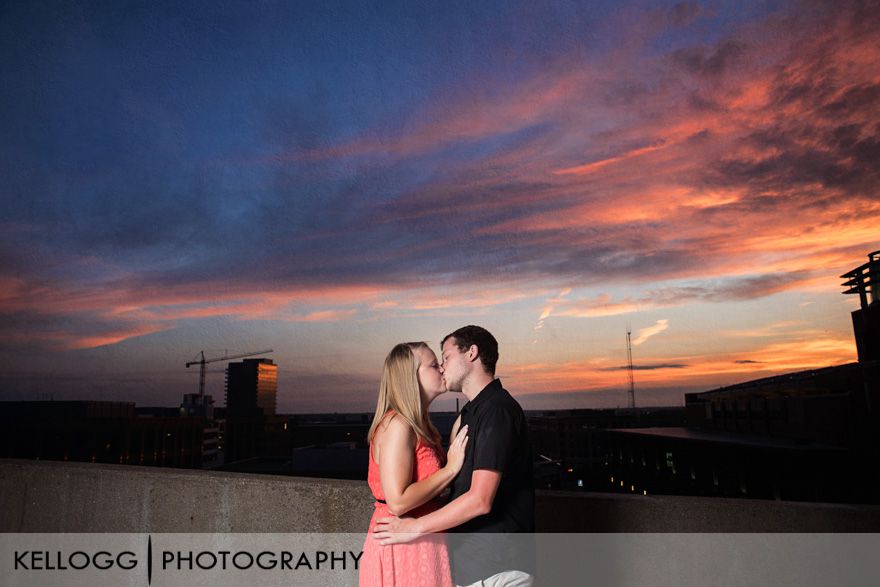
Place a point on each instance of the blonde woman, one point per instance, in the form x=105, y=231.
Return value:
x=407, y=471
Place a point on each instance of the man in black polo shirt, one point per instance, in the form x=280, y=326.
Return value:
x=493, y=496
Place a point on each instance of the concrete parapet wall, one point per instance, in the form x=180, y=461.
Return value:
x=558, y=511
x=44, y=496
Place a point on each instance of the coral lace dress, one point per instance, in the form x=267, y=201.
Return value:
x=423, y=562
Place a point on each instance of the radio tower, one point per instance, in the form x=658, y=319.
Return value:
x=629, y=359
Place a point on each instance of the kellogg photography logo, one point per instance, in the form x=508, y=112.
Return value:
x=264, y=558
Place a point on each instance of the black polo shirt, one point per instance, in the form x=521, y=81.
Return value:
x=498, y=439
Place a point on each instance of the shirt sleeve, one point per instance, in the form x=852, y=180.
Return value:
x=495, y=440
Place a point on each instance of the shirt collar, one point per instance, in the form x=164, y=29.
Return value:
x=485, y=394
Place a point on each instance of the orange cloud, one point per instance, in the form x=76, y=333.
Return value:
x=709, y=370
x=601, y=305
x=325, y=316
x=108, y=338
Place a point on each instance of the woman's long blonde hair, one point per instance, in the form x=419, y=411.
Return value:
x=399, y=391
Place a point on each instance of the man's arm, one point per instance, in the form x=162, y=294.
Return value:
x=477, y=501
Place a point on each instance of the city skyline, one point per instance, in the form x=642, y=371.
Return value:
x=329, y=179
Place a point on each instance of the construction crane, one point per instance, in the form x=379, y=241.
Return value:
x=203, y=361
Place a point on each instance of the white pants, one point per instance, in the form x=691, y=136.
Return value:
x=505, y=579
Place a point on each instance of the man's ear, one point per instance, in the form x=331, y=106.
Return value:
x=473, y=352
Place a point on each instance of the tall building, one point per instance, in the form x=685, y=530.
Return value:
x=251, y=388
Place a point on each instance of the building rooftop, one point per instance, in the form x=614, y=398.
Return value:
x=729, y=438
x=834, y=379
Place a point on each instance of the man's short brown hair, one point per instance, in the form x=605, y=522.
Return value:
x=487, y=346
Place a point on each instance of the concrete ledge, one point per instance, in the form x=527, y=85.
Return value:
x=46, y=496
x=558, y=511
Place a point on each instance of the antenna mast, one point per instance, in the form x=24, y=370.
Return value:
x=629, y=359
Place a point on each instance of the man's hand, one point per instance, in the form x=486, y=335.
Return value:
x=396, y=530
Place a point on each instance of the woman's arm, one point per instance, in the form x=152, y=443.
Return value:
x=396, y=456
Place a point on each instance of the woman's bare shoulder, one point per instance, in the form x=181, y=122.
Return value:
x=394, y=430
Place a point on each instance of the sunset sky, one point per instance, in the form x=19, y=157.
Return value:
x=327, y=179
